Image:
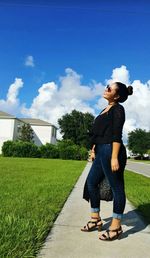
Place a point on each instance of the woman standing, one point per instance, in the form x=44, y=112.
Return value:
x=109, y=156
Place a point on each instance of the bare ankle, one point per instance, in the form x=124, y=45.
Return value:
x=95, y=215
x=116, y=223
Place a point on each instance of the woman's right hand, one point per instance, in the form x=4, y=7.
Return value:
x=92, y=155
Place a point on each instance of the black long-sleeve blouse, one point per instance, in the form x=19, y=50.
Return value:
x=107, y=127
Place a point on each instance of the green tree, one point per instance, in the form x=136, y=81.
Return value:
x=139, y=141
x=26, y=133
x=76, y=127
x=148, y=152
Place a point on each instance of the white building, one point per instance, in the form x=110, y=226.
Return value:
x=44, y=132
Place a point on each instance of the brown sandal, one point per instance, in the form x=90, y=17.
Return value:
x=96, y=225
x=107, y=235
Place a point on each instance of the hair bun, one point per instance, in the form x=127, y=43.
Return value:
x=130, y=90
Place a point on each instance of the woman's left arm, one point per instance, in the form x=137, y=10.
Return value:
x=118, y=122
x=114, y=156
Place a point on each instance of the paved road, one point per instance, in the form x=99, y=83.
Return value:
x=139, y=167
x=67, y=241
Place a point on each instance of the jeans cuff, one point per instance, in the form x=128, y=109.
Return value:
x=95, y=209
x=117, y=216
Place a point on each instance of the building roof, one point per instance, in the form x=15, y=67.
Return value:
x=31, y=121
x=34, y=121
x=5, y=115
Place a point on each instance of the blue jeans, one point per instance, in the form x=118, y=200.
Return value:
x=102, y=167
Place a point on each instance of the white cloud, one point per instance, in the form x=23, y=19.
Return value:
x=53, y=100
x=12, y=104
x=137, y=108
x=120, y=74
x=29, y=61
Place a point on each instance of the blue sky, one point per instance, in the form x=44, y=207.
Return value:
x=90, y=37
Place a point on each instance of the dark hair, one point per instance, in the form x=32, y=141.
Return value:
x=123, y=91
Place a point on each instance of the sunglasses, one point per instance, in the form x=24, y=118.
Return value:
x=109, y=89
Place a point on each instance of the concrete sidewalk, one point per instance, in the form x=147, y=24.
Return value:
x=67, y=241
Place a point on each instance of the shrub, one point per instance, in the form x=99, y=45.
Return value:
x=83, y=153
x=7, y=148
x=65, y=149
x=20, y=149
x=64, y=143
x=69, y=150
x=49, y=151
x=26, y=149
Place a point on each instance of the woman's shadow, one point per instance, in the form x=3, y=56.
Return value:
x=134, y=220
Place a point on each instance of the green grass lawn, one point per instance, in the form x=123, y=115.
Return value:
x=138, y=192
x=32, y=193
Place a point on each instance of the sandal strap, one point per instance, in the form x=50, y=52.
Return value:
x=92, y=222
x=104, y=235
x=95, y=224
x=108, y=236
x=95, y=218
x=116, y=230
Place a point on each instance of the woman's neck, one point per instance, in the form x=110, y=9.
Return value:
x=111, y=103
